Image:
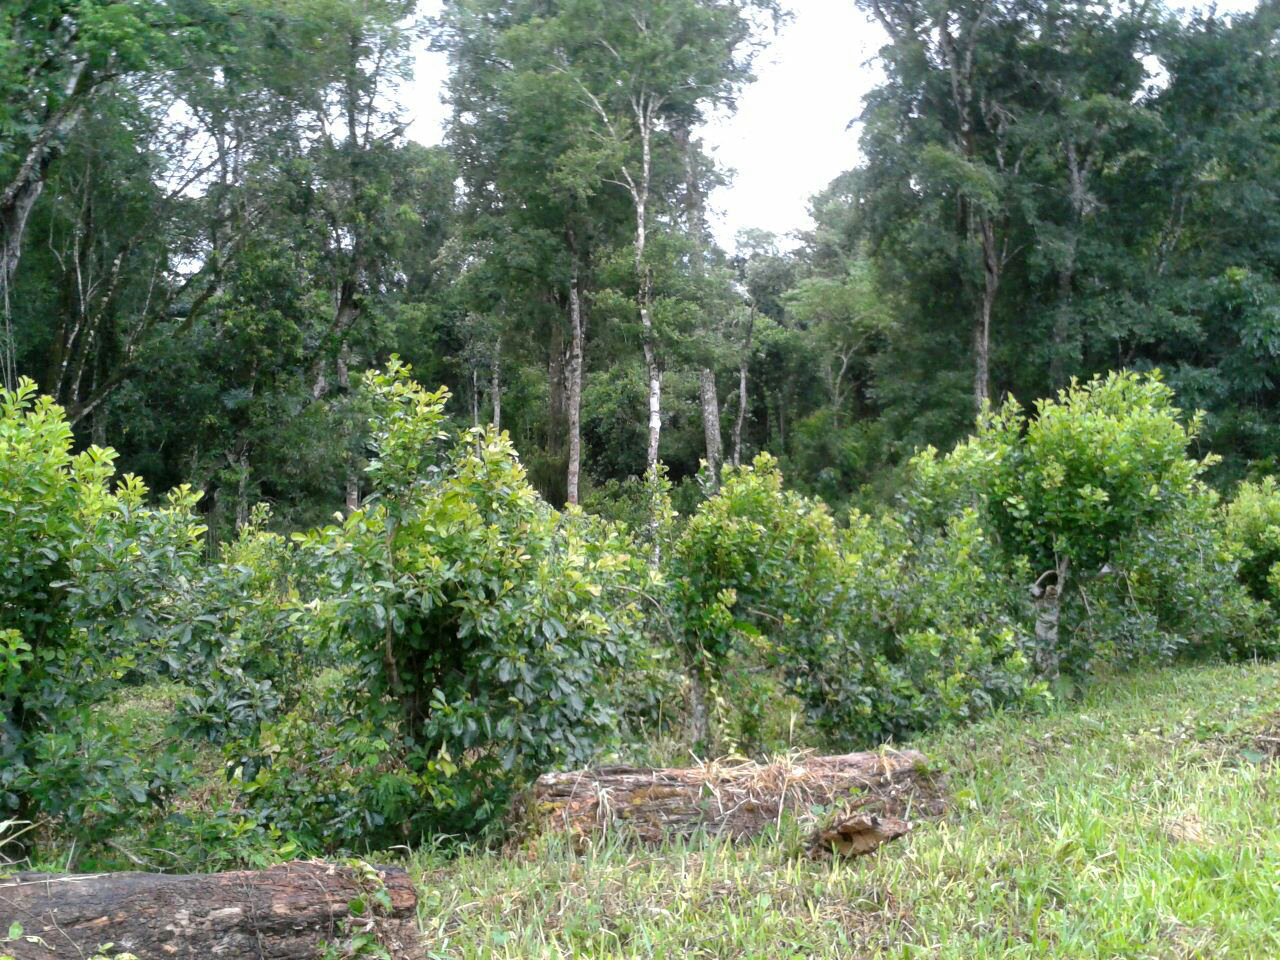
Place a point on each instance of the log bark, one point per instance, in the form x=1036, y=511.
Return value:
x=285, y=913
x=734, y=799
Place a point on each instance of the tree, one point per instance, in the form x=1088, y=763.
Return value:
x=844, y=317
x=1066, y=487
x=645, y=76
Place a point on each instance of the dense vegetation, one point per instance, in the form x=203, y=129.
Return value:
x=399, y=673
x=1003, y=421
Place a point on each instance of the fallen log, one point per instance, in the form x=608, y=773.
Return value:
x=735, y=798
x=289, y=912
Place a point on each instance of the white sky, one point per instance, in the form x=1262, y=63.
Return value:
x=790, y=136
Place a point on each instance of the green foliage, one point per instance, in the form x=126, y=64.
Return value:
x=335, y=773
x=1092, y=466
x=1253, y=519
x=879, y=629
x=84, y=569
x=1098, y=489
x=482, y=629
x=931, y=628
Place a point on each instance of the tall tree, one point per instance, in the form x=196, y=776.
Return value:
x=648, y=72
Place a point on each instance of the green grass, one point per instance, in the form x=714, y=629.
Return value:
x=1141, y=822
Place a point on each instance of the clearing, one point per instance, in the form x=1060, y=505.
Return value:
x=1142, y=821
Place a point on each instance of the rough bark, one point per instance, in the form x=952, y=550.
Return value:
x=737, y=800
x=475, y=395
x=1077, y=170
x=743, y=363
x=352, y=492
x=699, y=711
x=285, y=913
x=711, y=424
x=644, y=279
x=1048, y=591
x=495, y=383
x=575, y=389
x=25, y=186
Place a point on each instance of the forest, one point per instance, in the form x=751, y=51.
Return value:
x=352, y=490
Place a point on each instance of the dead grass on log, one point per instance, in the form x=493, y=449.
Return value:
x=733, y=796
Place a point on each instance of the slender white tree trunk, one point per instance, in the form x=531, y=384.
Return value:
x=495, y=383
x=575, y=388
x=352, y=497
x=640, y=195
x=711, y=424
x=743, y=363
x=982, y=322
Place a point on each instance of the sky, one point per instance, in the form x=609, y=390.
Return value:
x=791, y=133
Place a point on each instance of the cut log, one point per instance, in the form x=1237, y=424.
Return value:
x=737, y=799
x=286, y=913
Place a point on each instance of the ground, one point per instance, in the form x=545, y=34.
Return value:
x=1142, y=821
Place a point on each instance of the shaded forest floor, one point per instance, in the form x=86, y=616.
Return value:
x=1142, y=822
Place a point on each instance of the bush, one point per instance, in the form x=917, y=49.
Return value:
x=1253, y=521
x=482, y=628
x=879, y=629
x=1074, y=490
x=84, y=570
x=932, y=627
x=752, y=565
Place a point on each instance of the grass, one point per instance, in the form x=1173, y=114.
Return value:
x=1140, y=822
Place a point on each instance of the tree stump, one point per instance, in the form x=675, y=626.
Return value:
x=736, y=799
x=285, y=913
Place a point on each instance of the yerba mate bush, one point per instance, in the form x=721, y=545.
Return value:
x=85, y=572
x=476, y=630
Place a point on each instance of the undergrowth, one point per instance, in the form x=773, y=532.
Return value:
x=1140, y=822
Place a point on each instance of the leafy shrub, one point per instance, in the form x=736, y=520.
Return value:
x=483, y=628
x=338, y=773
x=1253, y=521
x=1170, y=588
x=1074, y=490
x=752, y=564
x=930, y=628
x=879, y=629
x=244, y=648
x=84, y=568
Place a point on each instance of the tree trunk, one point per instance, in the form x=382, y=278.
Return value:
x=782, y=425
x=495, y=383
x=644, y=283
x=285, y=913
x=655, y=406
x=344, y=317
x=743, y=363
x=736, y=800
x=475, y=395
x=1063, y=319
x=1048, y=597
x=24, y=188
x=982, y=323
x=352, y=492
x=711, y=424
x=575, y=389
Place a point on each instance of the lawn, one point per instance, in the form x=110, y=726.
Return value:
x=1142, y=821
